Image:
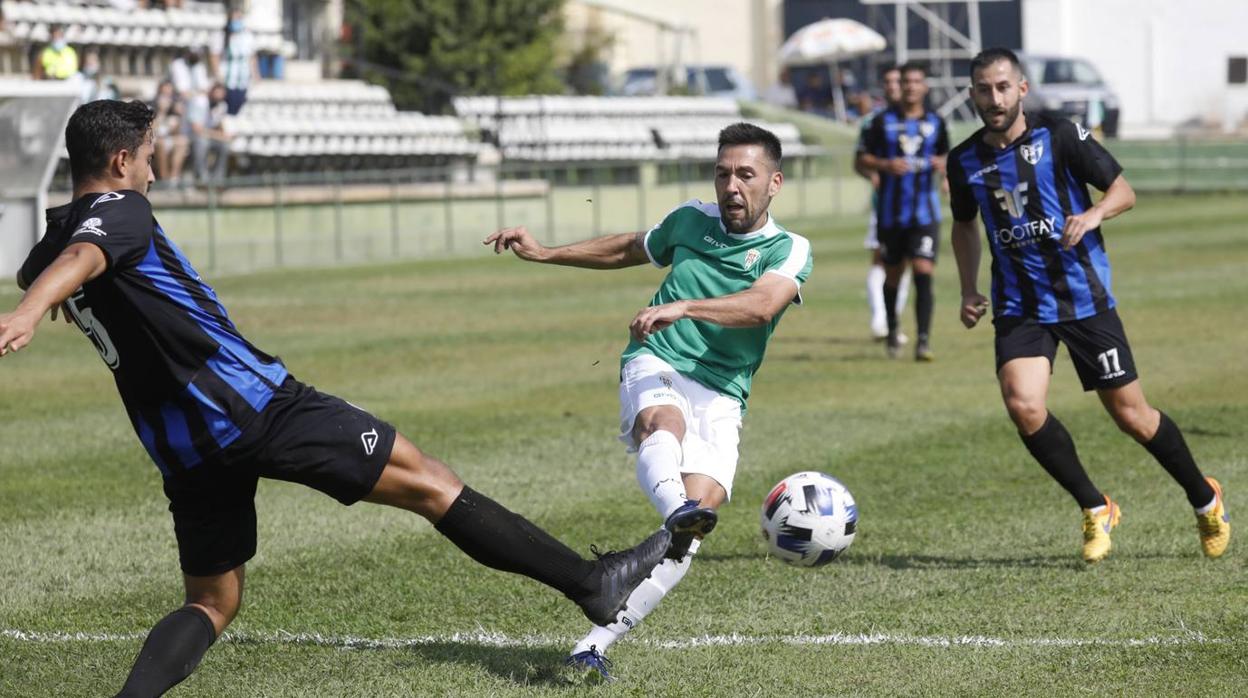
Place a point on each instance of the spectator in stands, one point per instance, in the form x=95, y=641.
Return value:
x=860, y=104
x=171, y=134
x=94, y=84
x=816, y=95
x=58, y=60
x=235, y=61
x=189, y=74
x=782, y=93
x=208, y=136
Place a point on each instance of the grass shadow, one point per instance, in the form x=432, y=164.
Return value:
x=938, y=562
x=522, y=665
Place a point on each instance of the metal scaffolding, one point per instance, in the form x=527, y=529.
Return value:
x=952, y=34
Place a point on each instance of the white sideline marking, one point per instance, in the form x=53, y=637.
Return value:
x=488, y=639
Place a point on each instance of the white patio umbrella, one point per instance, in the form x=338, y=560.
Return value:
x=830, y=41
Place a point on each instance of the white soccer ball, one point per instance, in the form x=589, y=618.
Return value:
x=809, y=519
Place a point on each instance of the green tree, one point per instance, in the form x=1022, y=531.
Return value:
x=427, y=51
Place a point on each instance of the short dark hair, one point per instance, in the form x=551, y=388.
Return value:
x=888, y=69
x=911, y=66
x=98, y=130
x=742, y=133
x=989, y=56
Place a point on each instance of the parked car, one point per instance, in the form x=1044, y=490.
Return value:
x=1070, y=87
x=711, y=80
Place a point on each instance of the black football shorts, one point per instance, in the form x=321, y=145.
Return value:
x=1098, y=346
x=302, y=436
x=913, y=242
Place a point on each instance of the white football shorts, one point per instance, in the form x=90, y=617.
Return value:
x=712, y=419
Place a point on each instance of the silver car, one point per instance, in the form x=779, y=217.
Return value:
x=710, y=80
x=1070, y=87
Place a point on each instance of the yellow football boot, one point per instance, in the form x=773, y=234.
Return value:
x=1096, y=528
x=1214, y=525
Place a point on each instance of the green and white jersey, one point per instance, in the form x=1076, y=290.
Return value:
x=709, y=262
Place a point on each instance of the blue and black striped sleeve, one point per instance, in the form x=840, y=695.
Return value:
x=961, y=198
x=871, y=139
x=1086, y=158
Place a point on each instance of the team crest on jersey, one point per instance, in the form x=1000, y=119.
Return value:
x=1032, y=152
x=909, y=144
x=92, y=226
x=927, y=129
x=105, y=198
x=750, y=258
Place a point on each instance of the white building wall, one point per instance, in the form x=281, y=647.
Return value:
x=744, y=34
x=1166, y=59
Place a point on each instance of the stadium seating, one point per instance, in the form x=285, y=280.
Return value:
x=340, y=124
x=572, y=129
x=128, y=31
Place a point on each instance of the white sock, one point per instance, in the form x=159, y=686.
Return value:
x=658, y=472
x=875, y=299
x=641, y=602
x=1208, y=507
x=1097, y=511
x=903, y=291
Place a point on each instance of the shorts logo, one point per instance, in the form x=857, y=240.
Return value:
x=1083, y=132
x=110, y=196
x=1032, y=152
x=666, y=381
x=92, y=226
x=750, y=258
x=370, y=441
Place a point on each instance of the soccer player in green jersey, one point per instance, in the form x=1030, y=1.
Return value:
x=685, y=376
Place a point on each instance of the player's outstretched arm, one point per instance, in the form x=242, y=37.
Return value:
x=754, y=306
x=1119, y=198
x=605, y=252
x=966, y=251
x=78, y=264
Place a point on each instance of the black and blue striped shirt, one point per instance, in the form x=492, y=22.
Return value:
x=1024, y=193
x=909, y=200
x=189, y=380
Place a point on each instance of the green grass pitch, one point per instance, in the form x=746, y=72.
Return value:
x=964, y=578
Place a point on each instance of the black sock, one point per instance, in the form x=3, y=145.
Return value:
x=1052, y=446
x=890, y=307
x=504, y=540
x=171, y=652
x=1170, y=449
x=923, y=302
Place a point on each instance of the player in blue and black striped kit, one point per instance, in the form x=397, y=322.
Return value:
x=215, y=413
x=1027, y=177
x=906, y=145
